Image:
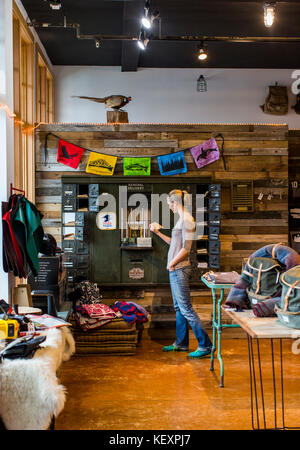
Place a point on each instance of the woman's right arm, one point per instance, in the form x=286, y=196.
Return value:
x=165, y=238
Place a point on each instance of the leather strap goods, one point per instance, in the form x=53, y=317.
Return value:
x=274, y=249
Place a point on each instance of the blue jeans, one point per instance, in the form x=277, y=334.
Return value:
x=185, y=314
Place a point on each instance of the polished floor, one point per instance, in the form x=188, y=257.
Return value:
x=154, y=390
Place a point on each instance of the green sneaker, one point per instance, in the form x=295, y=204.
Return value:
x=198, y=354
x=174, y=348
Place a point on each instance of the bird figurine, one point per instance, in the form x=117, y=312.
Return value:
x=115, y=102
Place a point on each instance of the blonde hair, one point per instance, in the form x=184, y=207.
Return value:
x=176, y=195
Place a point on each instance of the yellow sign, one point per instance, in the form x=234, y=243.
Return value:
x=101, y=164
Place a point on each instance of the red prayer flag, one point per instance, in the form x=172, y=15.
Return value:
x=69, y=154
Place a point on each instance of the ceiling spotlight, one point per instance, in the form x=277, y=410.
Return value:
x=142, y=41
x=269, y=13
x=148, y=18
x=202, y=53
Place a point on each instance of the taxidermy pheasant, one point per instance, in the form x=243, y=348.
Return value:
x=115, y=102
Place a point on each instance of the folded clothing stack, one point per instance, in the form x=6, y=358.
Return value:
x=116, y=337
x=101, y=329
x=130, y=311
x=91, y=317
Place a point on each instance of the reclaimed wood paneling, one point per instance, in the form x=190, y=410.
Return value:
x=294, y=154
x=252, y=152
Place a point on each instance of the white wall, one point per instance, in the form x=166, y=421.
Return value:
x=6, y=124
x=170, y=96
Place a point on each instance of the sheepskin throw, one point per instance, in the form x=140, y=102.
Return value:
x=30, y=393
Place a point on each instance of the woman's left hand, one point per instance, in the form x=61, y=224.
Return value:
x=171, y=268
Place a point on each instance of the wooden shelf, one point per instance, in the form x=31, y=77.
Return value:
x=134, y=247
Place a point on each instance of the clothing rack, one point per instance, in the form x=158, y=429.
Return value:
x=12, y=188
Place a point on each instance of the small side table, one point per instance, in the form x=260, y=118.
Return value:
x=217, y=324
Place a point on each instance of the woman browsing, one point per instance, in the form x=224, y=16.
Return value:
x=179, y=267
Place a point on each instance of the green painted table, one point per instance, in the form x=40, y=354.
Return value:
x=217, y=324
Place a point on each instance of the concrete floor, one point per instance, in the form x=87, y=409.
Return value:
x=154, y=390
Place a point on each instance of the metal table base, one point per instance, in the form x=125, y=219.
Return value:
x=217, y=325
x=257, y=391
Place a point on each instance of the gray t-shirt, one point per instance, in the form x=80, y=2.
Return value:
x=182, y=237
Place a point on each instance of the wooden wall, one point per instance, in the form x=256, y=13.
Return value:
x=252, y=152
x=294, y=154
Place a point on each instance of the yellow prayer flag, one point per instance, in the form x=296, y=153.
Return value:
x=101, y=164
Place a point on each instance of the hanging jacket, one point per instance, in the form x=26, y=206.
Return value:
x=25, y=220
x=15, y=258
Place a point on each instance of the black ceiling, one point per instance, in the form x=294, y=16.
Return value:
x=210, y=18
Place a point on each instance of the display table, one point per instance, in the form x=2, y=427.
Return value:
x=217, y=324
x=30, y=393
x=264, y=328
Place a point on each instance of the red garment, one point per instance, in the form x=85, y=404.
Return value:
x=17, y=257
x=98, y=310
x=69, y=154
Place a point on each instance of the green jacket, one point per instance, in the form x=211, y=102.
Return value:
x=26, y=222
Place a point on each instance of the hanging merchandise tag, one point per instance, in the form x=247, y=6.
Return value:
x=101, y=164
x=270, y=196
x=69, y=154
x=137, y=166
x=260, y=197
x=172, y=164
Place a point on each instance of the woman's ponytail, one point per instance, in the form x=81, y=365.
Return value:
x=182, y=197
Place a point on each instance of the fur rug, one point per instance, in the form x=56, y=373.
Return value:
x=30, y=393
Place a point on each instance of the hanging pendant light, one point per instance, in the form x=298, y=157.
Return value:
x=201, y=84
x=269, y=13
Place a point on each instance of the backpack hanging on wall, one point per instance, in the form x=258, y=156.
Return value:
x=288, y=308
x=276, y=101
x=296, y=107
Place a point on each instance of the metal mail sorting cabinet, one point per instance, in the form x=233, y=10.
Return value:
x=101, y=256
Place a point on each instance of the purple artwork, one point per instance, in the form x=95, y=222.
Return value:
x=205, y=153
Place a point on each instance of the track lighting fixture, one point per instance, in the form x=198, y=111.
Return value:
x=148, y=18
x=143, y=40
x=202, y=52
x=97, y=43
x=269, y=13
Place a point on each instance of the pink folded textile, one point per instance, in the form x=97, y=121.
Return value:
x=99, y=310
